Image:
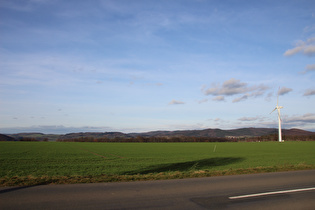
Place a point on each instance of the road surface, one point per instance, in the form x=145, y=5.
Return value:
x=282, y=190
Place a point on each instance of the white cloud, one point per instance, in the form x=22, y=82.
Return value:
x=268, y=97
x=250, y=119
x=309, y=92
x=202, y=101
x=293, y=51
x=284, y=90
x=308, y=118
x=309, y=50
x=234, y=87
x=218, y=98
x=308, y=68
x=229, y=87
x=306, y=47
x=220, y=121
x=258, y=90
x=244, y=97
x=175, y=102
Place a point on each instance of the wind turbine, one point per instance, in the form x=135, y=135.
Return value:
x=279, y=117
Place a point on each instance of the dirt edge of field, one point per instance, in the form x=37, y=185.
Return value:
x=46, y=180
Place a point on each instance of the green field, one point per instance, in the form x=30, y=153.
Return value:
x=24, y=163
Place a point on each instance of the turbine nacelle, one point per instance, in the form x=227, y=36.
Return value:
x=277, y=108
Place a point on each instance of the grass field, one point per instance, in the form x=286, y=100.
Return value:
x=26, y=163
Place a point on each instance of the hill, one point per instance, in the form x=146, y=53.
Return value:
x=109, y=135
x=206, y=133
x=6, y=138
x=35, y=136
x=297, y=132
x=218, y=133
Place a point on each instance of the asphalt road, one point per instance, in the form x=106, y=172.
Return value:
x=196, y=193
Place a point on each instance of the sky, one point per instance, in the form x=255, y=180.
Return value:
x=144, y=65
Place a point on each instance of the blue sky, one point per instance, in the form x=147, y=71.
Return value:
x=141, y=65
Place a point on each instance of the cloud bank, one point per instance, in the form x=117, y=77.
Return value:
x=54, y=129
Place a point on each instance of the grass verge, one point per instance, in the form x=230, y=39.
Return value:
x=44, y=180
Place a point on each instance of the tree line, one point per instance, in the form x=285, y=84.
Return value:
x=31, y=139
x=142, y=139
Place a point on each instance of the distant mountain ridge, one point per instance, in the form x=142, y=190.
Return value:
x=214, y=133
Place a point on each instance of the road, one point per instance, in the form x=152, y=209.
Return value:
x=273, y=191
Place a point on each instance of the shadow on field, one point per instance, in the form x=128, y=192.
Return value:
x=188, y=166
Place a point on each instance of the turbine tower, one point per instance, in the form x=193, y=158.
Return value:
x=279, y=117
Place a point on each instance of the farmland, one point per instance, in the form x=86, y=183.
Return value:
x=26, y=163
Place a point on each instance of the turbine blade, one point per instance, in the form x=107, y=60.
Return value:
x=278, y=97
x=273, y=110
